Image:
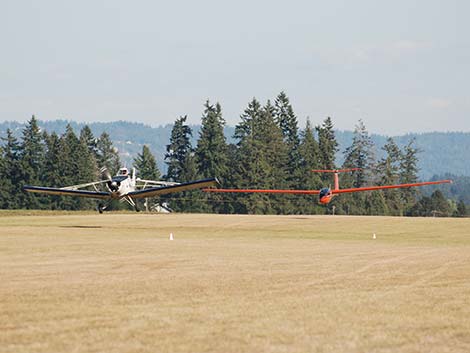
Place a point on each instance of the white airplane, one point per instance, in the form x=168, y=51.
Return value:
x=123, y=187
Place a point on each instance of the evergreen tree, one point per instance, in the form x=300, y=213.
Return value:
x=327, y=144
x=262, y=157
x=440, y=205
x=146, y=165
x=10, y=173
x=244, y=128
x=68, y=165
x=211, y=151
x=147, y=169
x=31, y=162
x=88, y=139
x=287, y=121
x=409, y=173
x=309, y=153
x=435, y=206
x=53, y=174
x=388, y=173
x=107, y=154
x=359, y=155
x=182, y=166
x=461, y=209
x=178, y=151
x=87, y=170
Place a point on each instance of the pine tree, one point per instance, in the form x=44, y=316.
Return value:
x=309, y=152
x=87, y=170
x=211, y=151
x=10, y=173
x=53, y=174
x=388, y=173
x=107, y=154
x=69, y=167
x=359, y=155
x=409, y=174
x=287, y=121
x=262, y=157
x=244, y=128
x=327, y=144
x=88, y=139
x=179, y=150
x=182, y=166
x=32, y=161
x=439, y=204
x=461, y=209
x=146, y=166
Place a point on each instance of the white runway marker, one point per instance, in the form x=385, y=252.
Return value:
x=374, y=237
x=171, y=236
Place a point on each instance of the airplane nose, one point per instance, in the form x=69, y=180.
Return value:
x=325, y=199
x=114, y=185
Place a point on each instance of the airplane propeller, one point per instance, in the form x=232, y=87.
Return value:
x=106, y=175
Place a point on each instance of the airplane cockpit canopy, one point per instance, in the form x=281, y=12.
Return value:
x=324, y=192
x=123, y=172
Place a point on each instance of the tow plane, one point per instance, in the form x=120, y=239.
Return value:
x=124, y=187
x=325, y=195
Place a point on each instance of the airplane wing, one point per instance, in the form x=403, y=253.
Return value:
x=151, y=192
x=156, y=182
x=369, y=188
x=66, y=192
x=81, y=186
x=266, y=191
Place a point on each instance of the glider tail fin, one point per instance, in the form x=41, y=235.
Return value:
x=336, y=173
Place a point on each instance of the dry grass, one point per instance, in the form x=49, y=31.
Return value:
x=115, y=283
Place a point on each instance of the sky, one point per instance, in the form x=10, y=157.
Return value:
x=401, y=66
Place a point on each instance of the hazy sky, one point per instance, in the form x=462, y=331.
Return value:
x=401, y=66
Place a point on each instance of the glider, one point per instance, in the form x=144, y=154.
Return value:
x=325, y=195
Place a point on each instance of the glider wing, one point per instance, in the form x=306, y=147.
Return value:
x=266, y=191
x=369, y=188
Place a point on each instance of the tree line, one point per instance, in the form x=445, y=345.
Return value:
x=270, y=152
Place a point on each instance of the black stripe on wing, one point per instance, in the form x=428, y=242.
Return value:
x=151, y=192
x=67, y=192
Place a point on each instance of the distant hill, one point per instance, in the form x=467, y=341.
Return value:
x=442, y=152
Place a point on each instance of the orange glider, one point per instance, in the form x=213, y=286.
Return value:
x=326, y=194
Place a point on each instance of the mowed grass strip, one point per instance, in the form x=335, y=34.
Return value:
x=116, y=283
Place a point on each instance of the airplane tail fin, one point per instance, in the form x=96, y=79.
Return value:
x=336, y=173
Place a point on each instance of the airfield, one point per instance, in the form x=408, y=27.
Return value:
x=83, y=282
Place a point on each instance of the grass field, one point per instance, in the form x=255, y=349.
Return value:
x=116, y=283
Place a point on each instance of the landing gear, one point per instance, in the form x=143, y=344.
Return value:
x=101, y=208
x=131, y=202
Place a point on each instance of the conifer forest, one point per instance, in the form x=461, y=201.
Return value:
x=270, y=151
